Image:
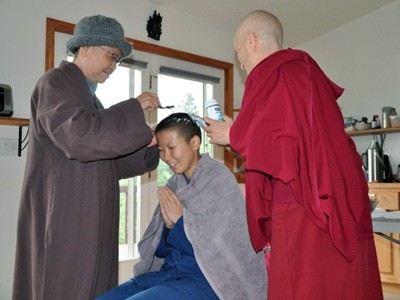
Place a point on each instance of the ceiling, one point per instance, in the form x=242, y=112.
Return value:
x=303, y=20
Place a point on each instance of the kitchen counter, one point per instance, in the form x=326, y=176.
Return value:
x=381, y=226
x=387, y=234
x=386, y=225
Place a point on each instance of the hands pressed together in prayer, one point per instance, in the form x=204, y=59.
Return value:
x=171, y=207
x=218, y=131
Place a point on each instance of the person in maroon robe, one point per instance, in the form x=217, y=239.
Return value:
x=307, y=197
x=67, y=239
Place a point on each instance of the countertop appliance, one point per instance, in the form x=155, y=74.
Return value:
x=6, y=102
x=373, y=162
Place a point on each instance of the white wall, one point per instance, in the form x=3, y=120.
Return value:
x=22, y=53
x=364, y=58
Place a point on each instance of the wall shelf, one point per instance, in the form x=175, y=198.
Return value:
x=20, y=122
x=373, y=131
x=14, y=121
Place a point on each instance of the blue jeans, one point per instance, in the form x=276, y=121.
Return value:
x=130, y=290
x=168, y=290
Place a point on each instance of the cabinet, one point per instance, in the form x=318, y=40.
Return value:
x=388, y=195
x=20, y=122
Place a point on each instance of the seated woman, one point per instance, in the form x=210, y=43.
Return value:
x=197, y=244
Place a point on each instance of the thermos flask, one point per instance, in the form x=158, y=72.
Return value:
x=373, y=162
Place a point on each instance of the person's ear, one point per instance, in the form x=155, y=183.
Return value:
x=83, y=51
x=251, y=40
x=195, y=142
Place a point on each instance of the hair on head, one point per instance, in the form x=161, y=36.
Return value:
x=183, y=123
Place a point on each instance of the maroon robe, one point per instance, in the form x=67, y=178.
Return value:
x=67, y=243
x=290, y=129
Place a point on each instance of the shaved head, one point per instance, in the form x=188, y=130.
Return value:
x=259, y=35
x=264, y=25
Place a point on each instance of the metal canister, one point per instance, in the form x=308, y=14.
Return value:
x=373, y=162
x=387, y=111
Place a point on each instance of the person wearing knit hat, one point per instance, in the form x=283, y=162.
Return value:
x=99, y=31
x=67, y=239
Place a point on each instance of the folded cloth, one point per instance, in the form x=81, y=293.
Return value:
x=392, y=215
x=378, y=213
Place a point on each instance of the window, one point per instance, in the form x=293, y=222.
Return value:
x=188, y=96
x=124, y=83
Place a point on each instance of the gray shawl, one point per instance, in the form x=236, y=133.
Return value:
x=215, y=223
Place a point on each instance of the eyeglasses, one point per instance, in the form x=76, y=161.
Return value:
x=113, y=56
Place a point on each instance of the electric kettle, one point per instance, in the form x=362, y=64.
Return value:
x=373, y=162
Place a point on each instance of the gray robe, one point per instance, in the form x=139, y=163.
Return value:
x=214, y=220
x=67, y=243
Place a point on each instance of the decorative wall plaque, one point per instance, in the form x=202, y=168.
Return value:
x=154, y=26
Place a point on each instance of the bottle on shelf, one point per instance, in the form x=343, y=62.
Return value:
x=387, y=111
x=397, y=179
x=375, y=124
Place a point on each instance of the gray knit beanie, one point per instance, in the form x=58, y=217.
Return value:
x=99, y=31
